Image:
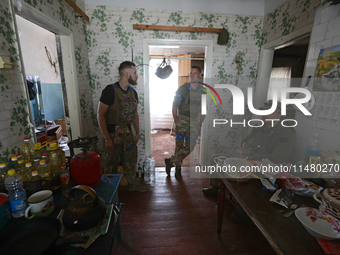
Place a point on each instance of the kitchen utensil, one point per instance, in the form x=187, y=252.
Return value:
x=330, y=200
x=288, y=214
x=84, y=211
x=31, y=237
x=40, y=204
x=318, y=223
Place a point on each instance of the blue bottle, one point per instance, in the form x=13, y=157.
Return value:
x=17, y=196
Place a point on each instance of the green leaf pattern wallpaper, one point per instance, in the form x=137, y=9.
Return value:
x=109, y=39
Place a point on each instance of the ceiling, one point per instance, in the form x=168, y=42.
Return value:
x=236, y=7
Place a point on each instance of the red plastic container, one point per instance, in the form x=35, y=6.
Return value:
x=86, y=168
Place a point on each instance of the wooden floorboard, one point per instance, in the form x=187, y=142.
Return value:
x=174, y=217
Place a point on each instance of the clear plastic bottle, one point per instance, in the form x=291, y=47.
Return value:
x=313, y=147
x=27, y=149
x=39, y=149
x=43, y=170
x=65, y=179
x=16, y=194
x=44, y=156
x=14, y=163
x=54, y=148
x=21, y=167
x=140, y=171
x=149, y=177
x=3, y=172
x=26, y=176
x=55, y=171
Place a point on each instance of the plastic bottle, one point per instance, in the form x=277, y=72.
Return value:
x=45, y=174
x=3, y=172
x=149, y=177
x=65, y=179
x=54, y=148
x=14, y=163
x=27, y=150
x=35, y=181
x=44, y=156
x=20, y=167
x=16, y=194
x=39, y=149
x=35, y=162
x=55, y=171
x=26, y=176
x=140, y=171
x=313, y=147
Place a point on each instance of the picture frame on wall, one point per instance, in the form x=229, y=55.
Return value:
x=327, y=72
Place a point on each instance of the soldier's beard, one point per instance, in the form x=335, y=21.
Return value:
x=132, y=81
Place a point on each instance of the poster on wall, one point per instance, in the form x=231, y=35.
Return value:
x=327, y=73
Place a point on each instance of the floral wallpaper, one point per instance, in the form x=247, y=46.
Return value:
x=102, y=44
x=112, y=45
x=290, y=16
x=15, y=122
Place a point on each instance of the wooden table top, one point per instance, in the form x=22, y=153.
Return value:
x=286, y=235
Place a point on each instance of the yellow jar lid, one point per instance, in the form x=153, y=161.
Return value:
x=28, y=164
x=11, y=172
x=21, y=161
x=2, y=164
x=14, y=158
x=54, y=154
x=38, y=146
x=42, y=161
x=53, y=146
x=34, y=172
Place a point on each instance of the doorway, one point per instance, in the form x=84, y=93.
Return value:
x=266, y=61
x=66, y=58
x=206, y=46
x=162, y=92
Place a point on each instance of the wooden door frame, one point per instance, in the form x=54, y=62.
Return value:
x=69, y=62
x=208, y=45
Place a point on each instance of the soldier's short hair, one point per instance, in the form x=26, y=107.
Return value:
x=197, y=67
x=124, y=65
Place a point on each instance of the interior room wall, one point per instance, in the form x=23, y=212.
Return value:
x=325, y=33
x=112, y=38
x=14, y=121
x=33, y=40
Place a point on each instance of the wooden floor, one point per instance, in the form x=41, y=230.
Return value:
x=174, y=217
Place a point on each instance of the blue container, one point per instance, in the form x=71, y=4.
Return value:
x=5, y=213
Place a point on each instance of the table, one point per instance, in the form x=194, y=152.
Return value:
x=285, y=235
x=108, y=191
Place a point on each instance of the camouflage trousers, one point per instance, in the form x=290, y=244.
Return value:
x=186, y=134
x=125, y=151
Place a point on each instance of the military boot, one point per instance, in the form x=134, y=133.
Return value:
x=168, y=166
x=178, y=174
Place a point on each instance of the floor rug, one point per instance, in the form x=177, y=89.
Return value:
x=163, y=146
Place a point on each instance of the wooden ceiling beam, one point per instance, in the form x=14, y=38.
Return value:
x=177, y=28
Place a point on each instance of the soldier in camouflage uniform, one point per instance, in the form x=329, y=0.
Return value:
x=186, y=113
x=274, y=143
x=118, y=117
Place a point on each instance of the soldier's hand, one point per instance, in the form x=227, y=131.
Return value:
x=109, y=144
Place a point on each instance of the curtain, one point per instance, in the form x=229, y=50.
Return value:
x=280, y=77
x=162, y=94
